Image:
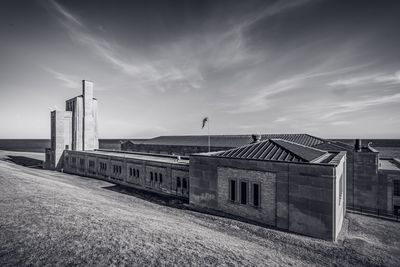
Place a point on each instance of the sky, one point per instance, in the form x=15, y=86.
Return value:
x=327, y=68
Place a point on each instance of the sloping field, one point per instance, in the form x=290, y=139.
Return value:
x=50, y=218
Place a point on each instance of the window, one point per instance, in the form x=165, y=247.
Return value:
x=82, y=162
x=178, y=182
x=232, y=190
x=120, y=169
x=137, y=173
x=256, y=195
x=243, y=192
x=151, y=176
x=396, y=188
x=103, y=166
x=155, y=177
x=184, y=183
x=160, y=175
x=341, y=187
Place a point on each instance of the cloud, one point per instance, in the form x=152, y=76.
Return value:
x=338, y=123
x=67, y=16
x=277, y=8
x=358, y=105
x=281, y=119
x=68, y=81
x=367, y=79
x=260, y=100
x=159, y=74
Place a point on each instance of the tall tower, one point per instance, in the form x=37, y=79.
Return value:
x=90, y=139
x=75, y=128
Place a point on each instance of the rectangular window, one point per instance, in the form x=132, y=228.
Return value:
x=243, y=192
x=256, y=195
x=232, y=190
x=396, y=188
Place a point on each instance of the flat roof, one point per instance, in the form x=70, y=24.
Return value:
x=141, y=156
x=389, y=165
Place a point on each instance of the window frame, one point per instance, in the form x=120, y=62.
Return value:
x=258, y=184
x=396, y=188
x=235, y=190
x=247, y=192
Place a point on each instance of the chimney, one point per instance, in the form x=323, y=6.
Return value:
x=358, y=145
x=256, y=138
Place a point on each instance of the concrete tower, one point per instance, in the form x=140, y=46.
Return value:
x=75, y=128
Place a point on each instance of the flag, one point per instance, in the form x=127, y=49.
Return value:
x=204, y=122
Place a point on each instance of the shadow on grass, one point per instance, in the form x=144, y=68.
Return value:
x=180, y=203
x=26, y=161
x=154, y=197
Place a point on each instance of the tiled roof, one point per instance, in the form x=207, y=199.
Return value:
x=228, y=141
x=274, y=149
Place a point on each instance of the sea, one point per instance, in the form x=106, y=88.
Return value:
x=388, y=148
x=39, y=145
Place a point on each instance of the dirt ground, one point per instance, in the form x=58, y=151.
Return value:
x=50, y=218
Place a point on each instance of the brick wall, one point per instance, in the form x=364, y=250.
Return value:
x=304, y=195
x=266, y=212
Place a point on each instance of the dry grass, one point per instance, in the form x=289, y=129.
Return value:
x=50, y=218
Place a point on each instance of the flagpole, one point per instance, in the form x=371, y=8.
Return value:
x=208, y=130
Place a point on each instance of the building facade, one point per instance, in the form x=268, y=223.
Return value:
x=157, y=173
x=272, y=184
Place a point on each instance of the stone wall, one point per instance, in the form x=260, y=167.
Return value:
x=266, y=211
x=387, y=200
x=169, y=171
x=304, y=194
x=365, y=181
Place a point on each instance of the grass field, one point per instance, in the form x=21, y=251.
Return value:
x=51, y=218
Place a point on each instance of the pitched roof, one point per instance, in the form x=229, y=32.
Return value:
x=274, y=149
x=228, y=141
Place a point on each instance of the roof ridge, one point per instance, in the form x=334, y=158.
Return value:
x=297, y=144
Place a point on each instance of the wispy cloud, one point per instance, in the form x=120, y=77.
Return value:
x=281, y=119
x=367, y=79
x=277, y=8
x=159, y=74
x=338, y=123
x=68, y=81
x=358, y=105
x=259, y=101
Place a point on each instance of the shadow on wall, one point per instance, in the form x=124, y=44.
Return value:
x=26, y=161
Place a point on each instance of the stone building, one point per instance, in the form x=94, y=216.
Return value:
x=274, y=182
x=388, y=195
x=158, y=173
x=75, y=128
x=361, y=170
x=288, y=186
x=296, y=182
